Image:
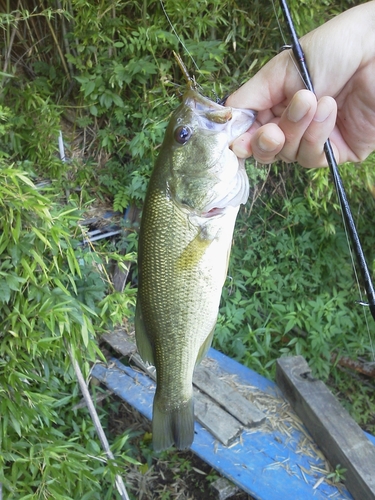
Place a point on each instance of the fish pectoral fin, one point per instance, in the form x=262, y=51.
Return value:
x=143, y=342
x=195, y=250
x=205, y=346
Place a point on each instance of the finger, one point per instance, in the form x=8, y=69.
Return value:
x=294, y=122
x=267, y=142
x=311, y=150
x=242, y=146
x=275, y=82
x=264, y=143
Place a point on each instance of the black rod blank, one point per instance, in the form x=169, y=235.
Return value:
x=351, y=227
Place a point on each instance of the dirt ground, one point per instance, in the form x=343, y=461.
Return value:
x=173, y=475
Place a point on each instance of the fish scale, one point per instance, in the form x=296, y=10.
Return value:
x=184, y=243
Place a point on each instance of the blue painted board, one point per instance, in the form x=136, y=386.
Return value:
x=253, y=378
x=266, y=465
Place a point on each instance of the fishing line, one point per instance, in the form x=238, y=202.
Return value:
x=354, y=267
x=176, y=35
x=196, y=84
x=286, y=45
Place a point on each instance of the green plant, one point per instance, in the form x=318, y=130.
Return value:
x=46, y=449
x=33, y=128
x=291, y=288
x=338, y=475
x=104, y=73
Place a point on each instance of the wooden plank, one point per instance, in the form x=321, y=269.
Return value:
x=336, y=433
x=224, y=489
x=207, y=381
x=120, y=342
x=266, y=463
x=235, y=404
x=272, y=461
x=218, y=422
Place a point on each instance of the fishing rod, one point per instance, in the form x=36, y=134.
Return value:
x=348, y=217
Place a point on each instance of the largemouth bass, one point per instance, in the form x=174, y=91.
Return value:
x=191, y=205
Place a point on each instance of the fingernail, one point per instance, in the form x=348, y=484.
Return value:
x=267, y=143
x=297, y=110
x=323, y=110
x=240, y=151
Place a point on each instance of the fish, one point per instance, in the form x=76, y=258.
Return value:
x=193, y=197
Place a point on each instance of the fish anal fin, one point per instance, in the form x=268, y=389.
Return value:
x=172, y=426
x=143, y=342
x=205, y=346
x=227, y=261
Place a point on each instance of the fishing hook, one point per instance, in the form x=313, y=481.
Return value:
x=301, y=61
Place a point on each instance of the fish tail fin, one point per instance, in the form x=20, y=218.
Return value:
x=173, y=426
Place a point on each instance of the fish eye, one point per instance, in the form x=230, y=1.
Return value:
x=182, y=134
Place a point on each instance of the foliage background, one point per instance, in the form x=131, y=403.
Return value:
x=102, y=73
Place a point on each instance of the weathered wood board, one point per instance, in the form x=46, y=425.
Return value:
x=221, y=424
x=335, y=432
x=235, y=404
x=218, y=406
x=276, y=460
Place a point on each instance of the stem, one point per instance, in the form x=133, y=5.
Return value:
x=95, y=418
x=58, y=48
x=11, y=40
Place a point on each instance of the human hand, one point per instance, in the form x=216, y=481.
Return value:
x=292, y=124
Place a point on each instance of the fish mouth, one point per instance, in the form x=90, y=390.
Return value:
x=231, y=121
x=213, y=212
x=241, y=121
x=215, y=117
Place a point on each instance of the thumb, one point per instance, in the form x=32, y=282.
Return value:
x=274, y=84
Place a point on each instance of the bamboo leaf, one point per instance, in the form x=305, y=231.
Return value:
x=41, y=237
x=4, y=292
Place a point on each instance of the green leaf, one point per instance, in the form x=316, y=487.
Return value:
x=14, y=282
x=93, y=110
x=4, y=292
x=24, y=178
x=85, y=334
x=41, y=237
x=89, y=88
x=117, y=100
